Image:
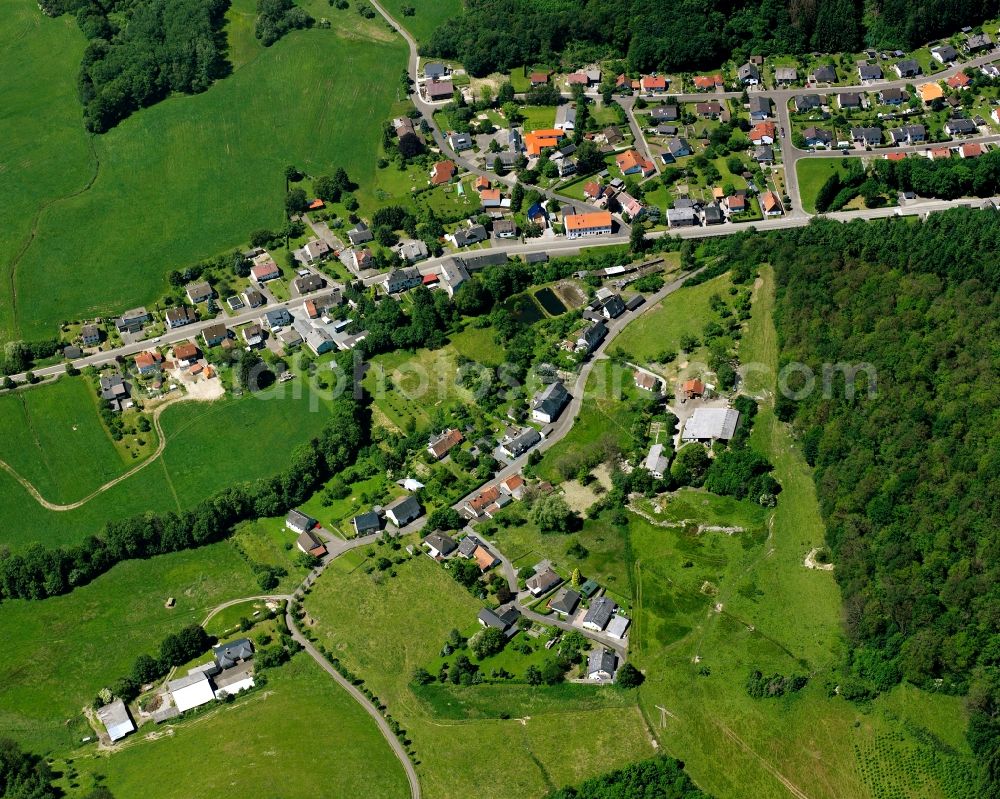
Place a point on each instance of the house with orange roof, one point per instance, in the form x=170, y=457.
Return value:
x=971, y=150
x=266, y=269
x=148, y=362
x=593, y=189
x=311, y=310
x=940, y=152
x=770, y=204
x=653, y=83
x=539, y=78
x=443, y=172
x=705, y=83
x=596, y=223
x=959, y=81
x=897, y=156
x=490, y=198
x=482, y=182
x=486, y=559
x=317, y=205
x=479, y=503
x=693, y=388
x=631, y=162
x=762, y=133
x=929, y=92
x=537, y=140
x=185, y=353
x=514, y=485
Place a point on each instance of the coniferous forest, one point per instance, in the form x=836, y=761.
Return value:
x=686, y=35
x=908, y=480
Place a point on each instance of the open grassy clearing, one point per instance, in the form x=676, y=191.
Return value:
x=427, y=15
x=684, y=311
x=812, y=174
x=479, y=344
x=54, y=438
x=59, y=652
x=383, y=629
x=209, y=446
x=44, y=151
x=525, y=545
x=688, y=504
x=257, y=743
x=776, y=616
x=192, y=176
x=603, y=426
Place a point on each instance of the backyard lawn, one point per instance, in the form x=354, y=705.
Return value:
x=812, y=174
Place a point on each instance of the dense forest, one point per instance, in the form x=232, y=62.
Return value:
x=140, y=51
x=908, y=479
x=656, y=778
x=685, y=35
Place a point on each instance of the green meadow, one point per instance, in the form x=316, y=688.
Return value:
x=382, y=627
x=209, y=446
x=812, y=174
x=187, y=178
x=59, y=652
x=301, y=731
x=427, y=15
x=55, y=439
x=659, y=330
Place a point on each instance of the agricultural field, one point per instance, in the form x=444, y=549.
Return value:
x=684, y=312
x=208, y=446
x=256, y=743
x=812, y=174
x=427, y=15
x=383, y=627
x=169, y=176
x=55, y=439
x=58, y=652
x=710, y=608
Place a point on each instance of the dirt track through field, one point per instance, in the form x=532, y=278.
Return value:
x=793, y=789
x=111, y=483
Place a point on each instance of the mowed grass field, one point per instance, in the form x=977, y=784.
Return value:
x=384, y=629
x=192, y=176
x=712, y=608
x=300, y=735
x=54, y=438
x=209, y=446
x=44, y=151
x=59, y=652
x=427, y=16
x=659, y=330
x=812, y=174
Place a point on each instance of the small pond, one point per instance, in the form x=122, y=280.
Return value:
x=524, y=309
x=550, y=302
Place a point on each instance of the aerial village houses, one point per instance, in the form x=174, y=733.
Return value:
x=441, y=445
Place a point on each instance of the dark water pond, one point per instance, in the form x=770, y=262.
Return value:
x=550, y=302
x=524, y=309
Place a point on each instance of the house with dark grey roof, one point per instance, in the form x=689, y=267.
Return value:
x=90, y=335
x=807, y=102
x=543, y=582
x=439, y=545
x=591, y=337
x=817, y=137
x=520, y=442
x=785, y=75
x=978, y=42
x=665, y=113
x=310, y=543
x=435, y=70
x=305, y=284
x=892, y=96
x=503, y=618
x=359, y=234
x=549, y=403
x=764, y=154
x=365, y=523
x=565, y=604
x=759, y=107
x=179, y=316
x=850, y=100
x=824, y=74
x=133, y=320
x=960, y=127
x=599, y=614
x=612, y=307
x=298, y=522
x=468, y=545
x=602, y=665
x=116, y=391
x=944, y=54
x=909, y=134
x=403, y=511
x=869, y=72
x=748, y=74
x=233, y=653
x=907, y=68
x=867, y=136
